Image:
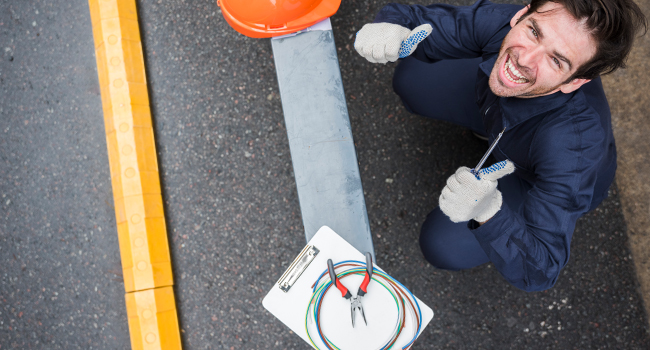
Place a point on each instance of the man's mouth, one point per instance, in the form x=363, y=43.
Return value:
x=512, y=73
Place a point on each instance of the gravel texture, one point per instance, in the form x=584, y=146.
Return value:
x=231, y=204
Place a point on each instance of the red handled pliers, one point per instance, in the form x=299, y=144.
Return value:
x=355, y=302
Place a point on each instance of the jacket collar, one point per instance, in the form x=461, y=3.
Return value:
x=517, y=110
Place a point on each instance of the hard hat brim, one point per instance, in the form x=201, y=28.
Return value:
x=324, y=9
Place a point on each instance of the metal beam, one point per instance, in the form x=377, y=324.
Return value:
x=320, y=138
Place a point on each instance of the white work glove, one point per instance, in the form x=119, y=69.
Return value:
x=384, y=42
x=468, y=196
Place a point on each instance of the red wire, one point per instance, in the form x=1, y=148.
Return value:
x=396, y=287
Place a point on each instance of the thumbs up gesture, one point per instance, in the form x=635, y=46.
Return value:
x=386, y=42
x=474, y=196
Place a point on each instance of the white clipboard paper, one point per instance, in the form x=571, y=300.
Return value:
x=380, y=310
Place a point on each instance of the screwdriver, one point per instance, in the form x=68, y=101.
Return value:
x=489, y=151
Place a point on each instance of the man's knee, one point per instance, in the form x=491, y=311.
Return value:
x=403, y=83
x=448, y=245
x=434, y=242
x=401, y=79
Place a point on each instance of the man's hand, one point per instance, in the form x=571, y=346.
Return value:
x=468, y=196
x=386, y=42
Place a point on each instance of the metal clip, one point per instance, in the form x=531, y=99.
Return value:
x=297, y=267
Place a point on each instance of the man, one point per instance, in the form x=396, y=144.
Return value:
x=535, y=72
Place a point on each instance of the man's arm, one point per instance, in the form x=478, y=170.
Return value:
x=458, y=31
x=529, y=248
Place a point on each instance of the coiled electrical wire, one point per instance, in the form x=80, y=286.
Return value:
x=404, y=299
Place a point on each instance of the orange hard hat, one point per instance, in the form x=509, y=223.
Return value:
x=267, y=18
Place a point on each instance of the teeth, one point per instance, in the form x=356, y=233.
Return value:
x=509, y=67
x=515, y=71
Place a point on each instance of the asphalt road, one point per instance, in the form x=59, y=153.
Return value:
x=232, y=211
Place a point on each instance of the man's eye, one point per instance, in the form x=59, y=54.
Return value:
x=534, y=32
x=556, y=61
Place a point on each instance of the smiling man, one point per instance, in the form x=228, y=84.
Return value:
x=539, y=56
x=533, y=71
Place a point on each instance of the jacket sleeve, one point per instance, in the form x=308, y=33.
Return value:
x=458, y=31
x=531, y=246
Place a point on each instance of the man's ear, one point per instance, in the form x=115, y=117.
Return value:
x=518, y=15
x=573, y=85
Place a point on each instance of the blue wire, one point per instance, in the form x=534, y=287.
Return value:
x=316, y=308
x=419, y=313
x=321, y=294
x=339, y=263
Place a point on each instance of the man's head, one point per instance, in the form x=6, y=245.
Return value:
x=560, y=45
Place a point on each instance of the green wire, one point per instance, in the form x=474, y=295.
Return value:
x=361, y=271
x=319, y=290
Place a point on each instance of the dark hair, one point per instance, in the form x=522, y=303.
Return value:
x=613, y=25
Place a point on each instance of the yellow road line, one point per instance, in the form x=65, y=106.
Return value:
x=142, y=233
x=152, y=319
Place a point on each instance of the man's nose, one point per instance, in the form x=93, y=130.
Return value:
x=531, y=57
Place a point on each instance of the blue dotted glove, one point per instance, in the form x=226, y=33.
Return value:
x=495, y=168
x=474, y=196
x=387, y=42
x=415, y=37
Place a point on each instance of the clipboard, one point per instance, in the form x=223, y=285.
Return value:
x=289, y=298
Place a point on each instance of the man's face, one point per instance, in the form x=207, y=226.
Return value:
x=540, y=53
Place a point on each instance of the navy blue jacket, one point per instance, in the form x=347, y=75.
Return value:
x=561, y=144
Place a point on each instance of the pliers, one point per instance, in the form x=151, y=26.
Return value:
x=355, y=302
